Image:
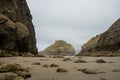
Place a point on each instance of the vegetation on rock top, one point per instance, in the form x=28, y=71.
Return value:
x=60, y=47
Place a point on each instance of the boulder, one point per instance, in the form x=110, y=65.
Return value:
x=19, y=72
x=11, y=76
x=60, y=47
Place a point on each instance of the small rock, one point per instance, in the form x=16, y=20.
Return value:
x=80, y=61
x=46, y=65
x=19, y=78
x=116, y=70
x=24, y=74
x=58, y=56
x=67, y=59
x=11, y=68
x=103, y=79
x=86, y=71
x=54, y=65
x=61, y=70
x=100, y=61
x=37, y=63
x=54, y=79
x=15, y=69
x=11, y=77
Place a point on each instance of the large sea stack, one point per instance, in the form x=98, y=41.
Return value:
x=105, y=44
x=16, y=29
x=61, y=48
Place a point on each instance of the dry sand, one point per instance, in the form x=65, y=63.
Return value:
x=41, y=73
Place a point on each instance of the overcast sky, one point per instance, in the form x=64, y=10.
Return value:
x=74, y=21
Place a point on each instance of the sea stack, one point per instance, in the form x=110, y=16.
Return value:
x=61, y=48
x=105, y=44
x=16, y=28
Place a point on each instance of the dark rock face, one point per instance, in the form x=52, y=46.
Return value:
x=61, y=48
x=107, y=43
x=16, y=28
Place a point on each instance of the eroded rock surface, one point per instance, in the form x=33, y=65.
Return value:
x=105, y=44
x=60, y=47
x=16, y=28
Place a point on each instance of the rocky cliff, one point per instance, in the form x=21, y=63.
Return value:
x=16, y=28
x=105, y=44
x=60, y=47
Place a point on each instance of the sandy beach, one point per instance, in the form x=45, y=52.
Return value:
x=49, y=73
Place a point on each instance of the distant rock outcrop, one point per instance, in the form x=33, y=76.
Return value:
x=60, y=47
x=16, y=28
x=105, y=44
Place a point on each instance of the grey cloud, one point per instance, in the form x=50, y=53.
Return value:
x=74, y=21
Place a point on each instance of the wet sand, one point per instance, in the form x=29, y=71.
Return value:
x=41, y=73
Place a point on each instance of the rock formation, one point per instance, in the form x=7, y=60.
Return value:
x=16, y=28
x=60, y=47
x=105, y=44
